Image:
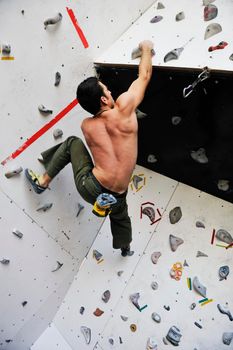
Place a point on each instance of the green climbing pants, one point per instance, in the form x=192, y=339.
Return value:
x=73, y=151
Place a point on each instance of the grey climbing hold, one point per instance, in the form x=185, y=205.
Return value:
x=154, y=285
x=106, y=296
x=134, y=299
x=124, y=318
x=136, y=180
x=137, y=52
x=150, y=212
x=155, y=257
x=14, y=172
x=231, y=57
x=57, y=133
x=81, y=310
x=210, y=12
x=175, y=242
x=160, y=6
x=223, y=272
x=224, y=310
x=17, y=233
x=53, y=20
x=59, y=265
x=224, y=236
x=199, y=254
x=227, y=338
x=199, y=156
x=6, y=49
x=180, y=16
x=176, y=120
x=57, y=79
x=174, y=335
x=173, y=54
x=119, y=273
x=151, y=344
x=111, y=341
x=24, y=303
x=5, y=261
x=166, y=307
x=175, y=215
x=212, y=29
x=200, y=224
x=223, y=185
x=198, y=325
x=140, y=114
x=185, y=263
x=97, y=255
x=199, y=288
x=151, y=158
x=192, y=306
x=45, y=207
x=156, y=317
x=156, y=19
x=80, y=208
x=43, y=110
x=86, y=333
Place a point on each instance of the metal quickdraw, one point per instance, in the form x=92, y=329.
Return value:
x=205, y=74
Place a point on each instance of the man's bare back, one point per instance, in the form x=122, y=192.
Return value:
x=112, y=139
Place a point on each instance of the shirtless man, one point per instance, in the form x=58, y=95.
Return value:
x=111, y=135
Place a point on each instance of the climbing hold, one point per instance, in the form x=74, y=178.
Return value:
x=175, y=215
x=80, y=208
x=227, y=338
x=154, y=285
x=119, y=273
x=231, y=57
x=120, y=340
x=198, y=325
x=134, y=299
x=223, y=272
x=210, y=12
x=150, y=212
x=224, y=310
x=97, y=255
x=53, y=20
x=124, y=318
x=180, y=16
x=17, y=233
x=175, y=242
x=24, y=303
x=220, y=46
x=156, y=19
x=43, y=110
x=156, y=317
x=151, y=158
x=185, y=263
x=86, y=333
x=45, y=207
x=106, y=296
x=160, y=6
x=14, y=172
x=133, y=327
x=199, y=288
x=5, y=261
x=136, y=180
x=200, y=224
x=223, y=185
x=173, y=54
x=212, y=29
x=174, y=335
x=199, y=254
x=81, y=310
x=57, y=133
x=151, y=344
x=6, y=49
x=111, y=341
x=199, y=156
x=155, y=257
x=166, y=307
x=224, y=236
x=140, y=114
x=137, y=52
x=176, y=120
x=98, y=312
x=57, y=79
x=192, y=306
x=59, y=265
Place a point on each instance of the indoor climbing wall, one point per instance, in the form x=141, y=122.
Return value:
x=186, y=128
x=175, y=288
x=46, y=50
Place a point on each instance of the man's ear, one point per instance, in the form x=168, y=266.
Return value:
x=104, y=100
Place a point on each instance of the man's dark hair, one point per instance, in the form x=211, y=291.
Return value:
x=89, y=93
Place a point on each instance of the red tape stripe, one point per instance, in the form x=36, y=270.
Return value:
x=78, y=29
x=40, y=132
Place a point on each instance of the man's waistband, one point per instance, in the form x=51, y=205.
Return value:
x=105, y=190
